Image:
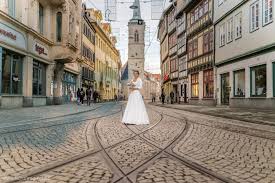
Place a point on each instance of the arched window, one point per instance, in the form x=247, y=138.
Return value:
x=58, y=26
x=136, y=36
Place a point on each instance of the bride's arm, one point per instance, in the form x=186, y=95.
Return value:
x=138, y=85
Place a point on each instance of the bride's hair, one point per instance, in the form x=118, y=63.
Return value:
x=136, y=71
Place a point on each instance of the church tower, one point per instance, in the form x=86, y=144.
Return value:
x=136, y=58
x=136, y=31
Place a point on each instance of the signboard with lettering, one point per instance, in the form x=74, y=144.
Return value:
x=40, y=50
x=12, y=37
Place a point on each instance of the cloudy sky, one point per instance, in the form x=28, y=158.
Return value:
x=120, y=29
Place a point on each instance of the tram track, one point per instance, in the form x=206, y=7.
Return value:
x=51, y=166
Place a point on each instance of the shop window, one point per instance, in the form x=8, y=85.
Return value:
x=58, y=27
x=11, y=73
x=39, y=79
x=195, y=85
x=239, y=83
x=208, y=84
x=258, y=81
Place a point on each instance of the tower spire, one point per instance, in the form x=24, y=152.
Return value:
x=136, y=11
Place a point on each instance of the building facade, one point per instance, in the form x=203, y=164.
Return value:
x=200, y=52
x=245, y=53
x=182, y=52
x=164, y=52
x=87, y=63
x=39, y=52
x=107, y=59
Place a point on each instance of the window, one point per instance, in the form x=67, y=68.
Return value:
x=222, y=34
x=11, y=7
x=39, y=80
x=190, y=50
x=239, y=83
x=11, y=73
x=211, y=40
x=258, y=81
x=201, y=7
x=195, y=48
x=268, y=11
x=59, y=27
x=230, y=30
x=206, y=42
x=254, y=16
x=206, y=6
x=196, y=14
x=208, y=84
x=41, y=19
x=136, y=37
x=238, y=25
x=195, y=85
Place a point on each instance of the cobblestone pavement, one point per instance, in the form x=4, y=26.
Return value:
x=177, y=147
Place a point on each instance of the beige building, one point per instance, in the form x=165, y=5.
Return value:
x=87, y=50
x=244, y=53
x=107, y=63
x=39, y=48
x=151, y=86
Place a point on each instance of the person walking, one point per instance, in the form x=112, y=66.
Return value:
x=94, y=96
x=172, y=95
x=82, y=95
x=78, y=96
x=162, y=98
x=88, y=95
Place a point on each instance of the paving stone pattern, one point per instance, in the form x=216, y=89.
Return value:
x=91, y=169
x=27, y=150
x=167, y=170
x=240, y=157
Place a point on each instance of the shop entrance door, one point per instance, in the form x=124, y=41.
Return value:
x=225, y=89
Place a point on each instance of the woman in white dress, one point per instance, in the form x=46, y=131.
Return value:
x=135, y=111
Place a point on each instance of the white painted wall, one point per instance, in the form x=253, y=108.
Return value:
x=249, y=40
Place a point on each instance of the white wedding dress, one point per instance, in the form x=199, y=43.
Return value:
x=135, y=111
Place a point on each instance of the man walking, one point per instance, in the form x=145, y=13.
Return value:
x=89, y=94
x=162, y=98
x=172, y=95
x=82, y=95
x=95, y=96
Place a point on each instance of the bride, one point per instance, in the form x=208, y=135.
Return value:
x=135, y=111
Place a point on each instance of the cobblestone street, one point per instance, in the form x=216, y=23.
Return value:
x=90, y=144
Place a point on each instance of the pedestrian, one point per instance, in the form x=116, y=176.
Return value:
x=94, y=96
x=88, y=95
x=78, y=96
x=115, y=97
x=172, y=97
x=162, y=98
x=82, y=95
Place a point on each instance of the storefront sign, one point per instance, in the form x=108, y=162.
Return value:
x=12, y=37
x=40, y=49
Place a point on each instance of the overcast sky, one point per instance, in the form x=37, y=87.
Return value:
x=120, y=28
